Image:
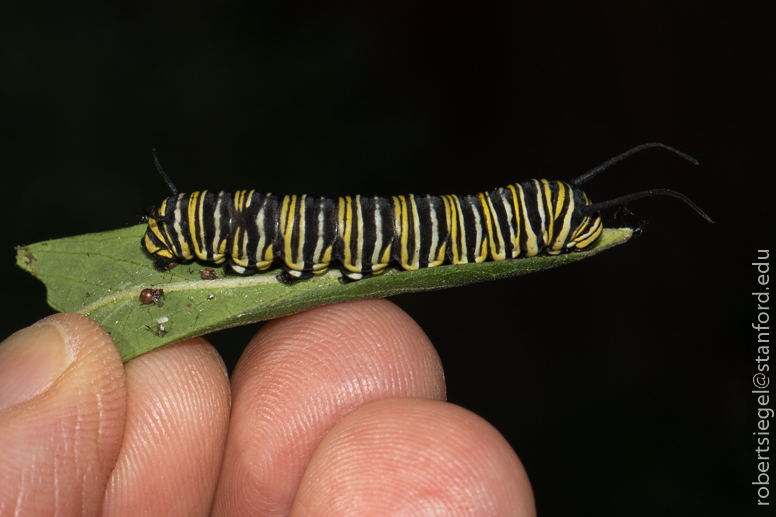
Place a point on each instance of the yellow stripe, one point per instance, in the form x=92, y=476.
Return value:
x=532, y=247
x=561, y=198
x=459, y=244
x=441, y=255
x=596, y=231
x=235, y=249
x=351, y=224
x=268, y=257
x=193, y=197
x=238, y=200
x=244, y=254
x=403, y=222
x=200, y=217
x=494, y=224
x=584, y=222
x=167, y=237
x=284, y=226
x=289, y=227
x=346, y=233
x=154, y=227
x=563, y=234
x=488, y=223
x=346, y=211
x=386, y=258
x=149, y=245
x=405, y=234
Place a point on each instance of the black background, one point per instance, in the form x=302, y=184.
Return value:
x=623, y=381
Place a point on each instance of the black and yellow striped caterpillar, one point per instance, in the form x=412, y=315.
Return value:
x=364, y=235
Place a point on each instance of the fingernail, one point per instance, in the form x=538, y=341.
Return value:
x=31, y=360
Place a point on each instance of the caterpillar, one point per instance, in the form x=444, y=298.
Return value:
x=363, y=235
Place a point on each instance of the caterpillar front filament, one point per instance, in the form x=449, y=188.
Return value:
x=363, y=235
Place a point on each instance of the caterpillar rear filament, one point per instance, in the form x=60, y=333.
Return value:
x=363, y=235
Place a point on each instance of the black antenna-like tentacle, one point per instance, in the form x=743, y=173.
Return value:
x=161, y=171
x=590, y=174
x=588, y=209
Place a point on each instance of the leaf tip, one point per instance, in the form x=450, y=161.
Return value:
x=26, y=259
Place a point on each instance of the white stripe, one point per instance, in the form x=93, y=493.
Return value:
x=510, y=220
x=319, y=245
x=378, y=233
x=531, y=247
x=416, y=255
x=177, y=225
x=202, y=220
x=464, y=257
x=300, y=258
x=217, y=236
x=434, y=232
x=478, y=225
x=262, y=236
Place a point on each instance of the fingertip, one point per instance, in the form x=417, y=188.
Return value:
x=369, y=332
x=177, y=418
x=398, y=455
x=60, y=440
x=31, y=360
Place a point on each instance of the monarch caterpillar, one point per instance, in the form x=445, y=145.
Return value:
x=364, y=235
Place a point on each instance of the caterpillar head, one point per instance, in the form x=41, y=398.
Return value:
x=161, y=239
x=586, y=231
x=590, y=226
x=573, y=228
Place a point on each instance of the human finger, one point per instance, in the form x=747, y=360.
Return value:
x=302, y=374
x=62, y=395
x=177, y=419
x=409, y=456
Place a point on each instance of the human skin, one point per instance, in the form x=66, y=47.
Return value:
x=335, y=411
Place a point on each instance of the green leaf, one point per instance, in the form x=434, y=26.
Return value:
x=101, y=275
